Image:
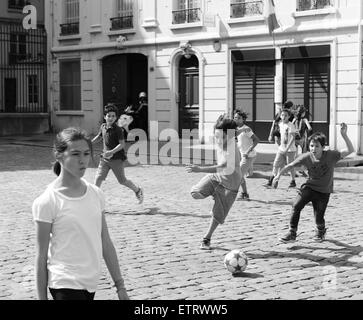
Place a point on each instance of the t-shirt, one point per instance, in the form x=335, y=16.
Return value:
x=230, y=176
x=287, y=130
x=111, y=138
x=321, y=172
x=245, y=141
x=75, y=251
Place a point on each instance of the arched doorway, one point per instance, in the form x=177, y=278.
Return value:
x=124, y=77
x=188, y=104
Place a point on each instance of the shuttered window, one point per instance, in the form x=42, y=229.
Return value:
x=70, y=85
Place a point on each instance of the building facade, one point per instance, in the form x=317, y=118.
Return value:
x=197, y=59
x=23, y=76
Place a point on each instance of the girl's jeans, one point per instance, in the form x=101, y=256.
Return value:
x=319, y=201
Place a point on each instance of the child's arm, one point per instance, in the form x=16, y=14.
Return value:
x=343, y=131
x=308, y=124
x=270, y=138
x=210, y=169
x=285, y=169
x=291, y=141
x=119, y=147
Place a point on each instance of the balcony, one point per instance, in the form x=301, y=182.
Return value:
x=119, y=23
x=69, y=28
x=186, y=16
x=304, y=5
x=246, y=9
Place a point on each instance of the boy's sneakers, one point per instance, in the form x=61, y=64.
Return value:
x=205, y=245
x=275, y=184
x=289, y=237
x=244, y=196
x=269, y=183
x=320, y=235
x=292, y=184
x=140, y=195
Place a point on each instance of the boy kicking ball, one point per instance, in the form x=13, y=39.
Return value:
x=319, y=185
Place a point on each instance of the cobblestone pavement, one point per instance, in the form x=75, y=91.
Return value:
x=158, y=242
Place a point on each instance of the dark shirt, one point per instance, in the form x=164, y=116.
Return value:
x=111, y=138
x=321, y=172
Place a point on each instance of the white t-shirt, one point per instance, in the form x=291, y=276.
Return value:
x=245, y=141
x=287, y=130
x=75, y=251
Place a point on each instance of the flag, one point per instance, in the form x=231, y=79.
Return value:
x=270, y=16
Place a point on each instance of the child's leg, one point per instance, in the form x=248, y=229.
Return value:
x=118, y=168
x=320, y=203
x=245, y=165
x=203, y=189
x=212, y=227
x=302, y=199
x=102, y=172
x=290, y=158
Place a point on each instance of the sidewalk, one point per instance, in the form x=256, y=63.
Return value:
x=203, y=152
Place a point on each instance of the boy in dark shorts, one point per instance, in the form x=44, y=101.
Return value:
x=223, y=180
x=113, y=156
x=319, y=185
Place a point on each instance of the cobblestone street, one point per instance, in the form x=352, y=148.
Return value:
x=158, y=242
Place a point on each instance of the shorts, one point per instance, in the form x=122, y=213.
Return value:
x=223, y=198
x=117, y=166
x=246, y=164
x=282, y=159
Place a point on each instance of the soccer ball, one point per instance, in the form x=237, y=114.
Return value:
x=236, y=261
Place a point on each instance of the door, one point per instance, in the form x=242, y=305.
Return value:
x=188, y=94
x=307, y=82
x=254, y=93
x=10, y=95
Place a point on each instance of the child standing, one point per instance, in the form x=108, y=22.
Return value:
x=71, y=230
x=224, y=179
x=113, y=156
x=246, y=142
x=320, y=164
x=287, y=149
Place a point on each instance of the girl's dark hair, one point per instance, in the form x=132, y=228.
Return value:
x=318, y=137
x=224, y=123
x=241, y=114
x=288, y=104
x=62, y=140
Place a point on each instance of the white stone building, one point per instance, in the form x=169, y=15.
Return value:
x=197, y=59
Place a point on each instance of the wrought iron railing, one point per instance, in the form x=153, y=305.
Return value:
x=186, y=16
x=304, y=5
x=17, y=4
x=23, y=68
x=243, y=9
x=69, y=28
x=119, y=23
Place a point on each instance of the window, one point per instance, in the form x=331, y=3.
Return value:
x=33, y=91
x=70, y=85
x=70, y=23
x=303, y=5
x=17, y=48
x=243, y=8
x=187, y=11
x=124, y=18
x=17, y=4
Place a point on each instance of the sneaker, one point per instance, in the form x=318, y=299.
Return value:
x=275, y=184
x=292, y=184
x=205, y=245
x=140, y=195
x=289, y=237
x=303, y=174
x=320, y=235
x=245, y=196
x=269, y=183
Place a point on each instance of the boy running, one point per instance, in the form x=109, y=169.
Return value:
x=113, y=156
x=223, y=180
x=319, y=185
x=246, y=142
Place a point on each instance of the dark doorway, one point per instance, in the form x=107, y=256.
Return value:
x=307, y=82
x=188, y=94
x=124, y=77
x=10, y=95
x=253, y=92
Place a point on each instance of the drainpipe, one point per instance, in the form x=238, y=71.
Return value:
x=359, y=91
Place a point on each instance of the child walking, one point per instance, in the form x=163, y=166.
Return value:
x=287, y=149
x=319, y=185
x=113, y=156
x=223, y=180
x=71, y=230
x=246, y=142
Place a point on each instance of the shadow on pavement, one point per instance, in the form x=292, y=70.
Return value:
x=247, y=275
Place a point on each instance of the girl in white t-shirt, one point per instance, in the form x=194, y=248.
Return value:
x=71, y=230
